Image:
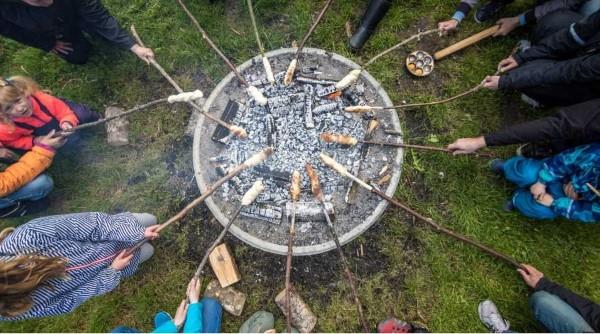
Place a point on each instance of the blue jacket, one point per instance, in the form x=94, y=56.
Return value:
x=579, y=165
x=89, y=242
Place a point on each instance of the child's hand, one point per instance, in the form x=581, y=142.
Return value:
x=570, y=191
x=151, y=232
x=122, y=260
x=51, y=139
x=546, y=200
x=193, y=290
x=537, y=190
x=66, y=125
x=179, y=317
x=447, y=26
x=8, y=155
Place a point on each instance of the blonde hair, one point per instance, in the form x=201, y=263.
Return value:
x=21, y=276
x=13, y=89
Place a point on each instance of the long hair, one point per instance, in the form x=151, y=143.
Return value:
x=20, y=276
x=13, y=89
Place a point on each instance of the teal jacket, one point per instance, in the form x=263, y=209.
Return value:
x=193, y=321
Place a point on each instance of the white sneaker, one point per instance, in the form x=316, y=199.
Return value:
x=491, y=318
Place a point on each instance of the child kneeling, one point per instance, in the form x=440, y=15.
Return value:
x=26, y=112
x=562, y=185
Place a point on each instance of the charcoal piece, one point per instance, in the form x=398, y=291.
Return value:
x=229, y=114
x=271, y=130
x=325, y=108
x=276, y=176
x=308, y=211
x=308, y=107
x=315, y=81
x=266, y=212
x=322, y=92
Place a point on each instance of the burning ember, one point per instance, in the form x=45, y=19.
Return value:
x=292, y=122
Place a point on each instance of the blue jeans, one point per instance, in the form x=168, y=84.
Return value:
x=556, y=315
x=39, y=188
x=524, y=172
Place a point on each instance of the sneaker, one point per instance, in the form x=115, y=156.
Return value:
x=535, y=150
x=508, y=206
x=534, y=103
x=491, y=318
x=393, y=325
x=15, y=210
x=160, y=318
x=497, y=166
x=488, y=11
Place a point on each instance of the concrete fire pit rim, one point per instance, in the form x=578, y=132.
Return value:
x=269, y=246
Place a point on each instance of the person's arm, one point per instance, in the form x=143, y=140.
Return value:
x=30, y=165
x=589, y=310
x=579, y=210
x=193, y=320
x=584, y=69
x=16, y=33
x=60, y=110
x=100, y=20
x=20, y=142
x=562, y=43
x=90, y=226
x=577, y=123
x=106, y=281
x=463, y=9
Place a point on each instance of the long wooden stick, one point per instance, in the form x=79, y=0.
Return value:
x=411, y=38
x=295, y=196
x=316, y=190
x=424, y=148
x=216, y=243
x=312, y=28
x=251, y=162
x=236, y=130
x=255, y=28
x=330, y=162
x=108, y=119
x=213, y=45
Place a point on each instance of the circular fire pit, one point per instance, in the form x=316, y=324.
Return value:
x=291, y=123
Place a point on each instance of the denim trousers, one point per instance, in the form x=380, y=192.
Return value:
x=556, y=315
x=37, y=189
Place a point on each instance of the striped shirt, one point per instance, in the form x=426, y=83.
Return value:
x=89, y=242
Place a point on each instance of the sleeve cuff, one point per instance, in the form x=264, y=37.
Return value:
x=458, y=16
x=44, y=150
x=575, y=36
x=542, y=284
x=522, y=20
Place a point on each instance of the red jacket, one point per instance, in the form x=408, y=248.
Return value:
x=20, y=136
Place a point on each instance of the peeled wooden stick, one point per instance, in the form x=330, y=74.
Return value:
x=254, y=160
x=353, y=76
x=289, y=74
x=593, y=189
x=234, y=129
x=108, y=119
x=331, y=163
x=265, y=60
x=295, y=196
x=349, y=140
x=248, y=198
x=253, y=91
x=315, y=186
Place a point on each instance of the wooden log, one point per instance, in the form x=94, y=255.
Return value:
x=302, y=317
x=231, y=299
x=116, y=130
x=223, y=265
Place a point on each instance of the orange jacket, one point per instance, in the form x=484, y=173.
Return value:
x=32, y=164
x=20, y=136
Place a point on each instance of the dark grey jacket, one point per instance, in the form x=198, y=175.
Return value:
x=572, y=54
x=41, y=27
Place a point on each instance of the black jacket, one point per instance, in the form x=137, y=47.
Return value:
x=40, y=27
x=575, y=125
x=589, y=310
x=572, y=56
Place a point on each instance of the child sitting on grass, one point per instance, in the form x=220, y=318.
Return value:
x=26, y=112
x=562, y=185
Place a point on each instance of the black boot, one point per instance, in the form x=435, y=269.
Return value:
x=375, y=12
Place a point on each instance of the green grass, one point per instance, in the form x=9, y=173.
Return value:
x=427, y=277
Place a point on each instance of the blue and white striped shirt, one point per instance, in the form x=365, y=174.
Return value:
x=89, y=242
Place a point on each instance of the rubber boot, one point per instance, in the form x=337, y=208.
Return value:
x=375, y=12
